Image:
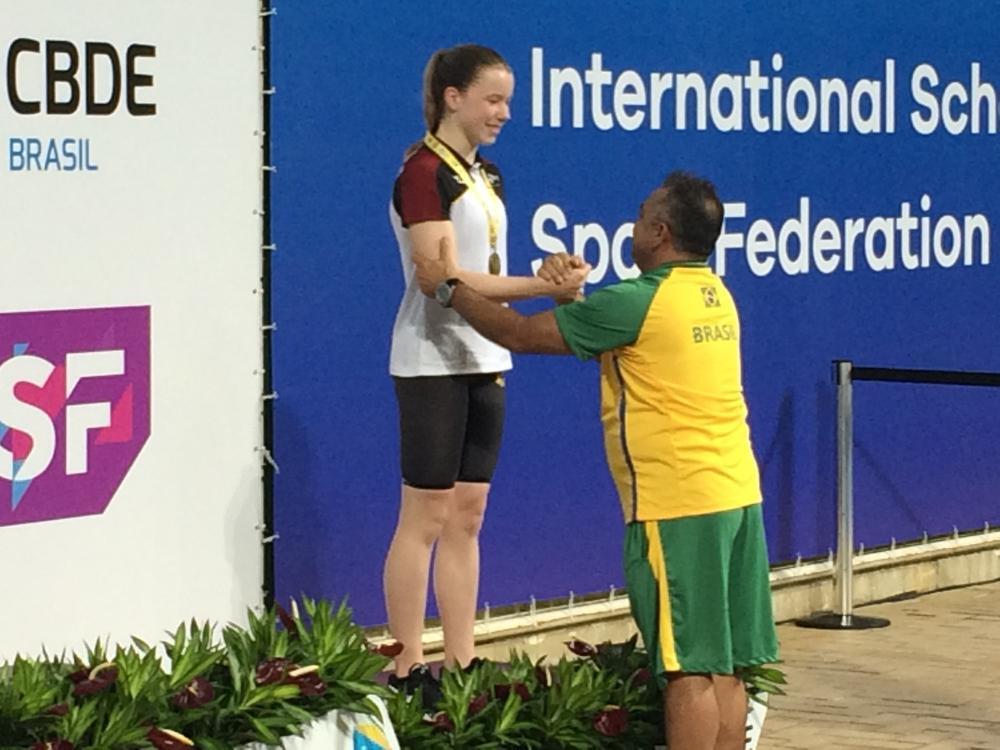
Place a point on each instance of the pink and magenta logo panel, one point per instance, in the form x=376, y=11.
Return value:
x=74, y=409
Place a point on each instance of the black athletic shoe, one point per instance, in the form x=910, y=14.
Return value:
x=420, y=678
x=473, y=665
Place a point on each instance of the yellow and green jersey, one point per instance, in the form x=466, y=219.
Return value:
x=675, y=420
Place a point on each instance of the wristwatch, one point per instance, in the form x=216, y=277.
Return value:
x=444, y=292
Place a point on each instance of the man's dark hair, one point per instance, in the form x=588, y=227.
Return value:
x=693, y=212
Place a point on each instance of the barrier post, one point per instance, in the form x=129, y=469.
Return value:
x=844, y=618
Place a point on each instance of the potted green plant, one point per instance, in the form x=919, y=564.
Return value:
x=259, y=684
x=606, y=698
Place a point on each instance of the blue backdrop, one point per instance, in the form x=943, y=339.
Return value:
x=348, y=77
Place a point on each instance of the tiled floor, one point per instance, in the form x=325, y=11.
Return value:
x=930, y=681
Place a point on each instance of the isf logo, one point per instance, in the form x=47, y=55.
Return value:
x=74, y=409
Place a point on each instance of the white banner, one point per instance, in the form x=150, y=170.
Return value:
x=130, y=345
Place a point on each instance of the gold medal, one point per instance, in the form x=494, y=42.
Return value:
x=495, y=263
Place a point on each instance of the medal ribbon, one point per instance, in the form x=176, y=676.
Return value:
x=482, y=190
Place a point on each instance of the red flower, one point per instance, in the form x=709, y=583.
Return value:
x=53, y=745
x=272, y=671
x=165, y=739
x=580, y=648
x=388, y=650
x=99, y=679
x=502, y=691
x=288, y=621
x=479, y=703
x=59, y=709
x=196, y=694
x=612, y=721
x=283, y=672
x=542, y=676
x=308, y=681
x=79, y=675
x=641, y=676
x=440, y=722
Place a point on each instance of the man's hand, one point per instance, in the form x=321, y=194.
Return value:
x=567, y=274
x=431, y=272
x=560, y=267
x=571, y=289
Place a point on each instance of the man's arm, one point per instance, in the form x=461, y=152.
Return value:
x=535, y=334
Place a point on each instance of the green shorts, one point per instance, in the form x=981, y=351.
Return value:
x=700, y=591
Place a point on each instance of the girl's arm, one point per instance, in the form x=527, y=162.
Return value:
x=434, y=239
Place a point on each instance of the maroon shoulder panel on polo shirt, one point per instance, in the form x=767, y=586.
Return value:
x=426, y=187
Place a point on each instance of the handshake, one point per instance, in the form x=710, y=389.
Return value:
x=561, y=275
x=566, y=272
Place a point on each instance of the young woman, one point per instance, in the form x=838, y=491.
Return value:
x=449, y=379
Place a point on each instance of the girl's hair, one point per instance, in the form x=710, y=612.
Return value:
x=456, y=67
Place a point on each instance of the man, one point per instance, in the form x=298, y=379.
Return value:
x=678, y=447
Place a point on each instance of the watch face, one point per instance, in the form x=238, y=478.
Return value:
x=443, y=293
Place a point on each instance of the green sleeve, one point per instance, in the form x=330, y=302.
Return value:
x=609, y=318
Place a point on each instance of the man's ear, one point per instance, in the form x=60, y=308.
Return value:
x=663, y=233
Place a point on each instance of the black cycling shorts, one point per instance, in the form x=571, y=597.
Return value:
x=450, y=428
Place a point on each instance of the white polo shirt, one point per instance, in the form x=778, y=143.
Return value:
x=428, y=339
